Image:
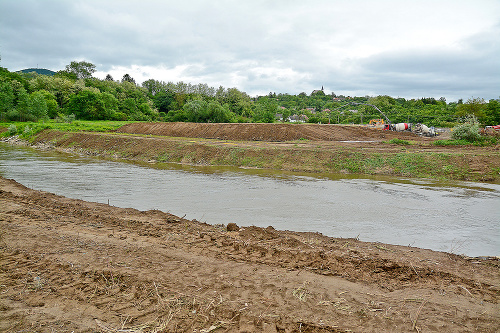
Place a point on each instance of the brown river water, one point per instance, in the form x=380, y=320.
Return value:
x=457, y=217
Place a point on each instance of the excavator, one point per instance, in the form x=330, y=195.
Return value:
x=376, y=123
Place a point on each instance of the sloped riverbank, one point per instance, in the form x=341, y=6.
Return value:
x=346, y=149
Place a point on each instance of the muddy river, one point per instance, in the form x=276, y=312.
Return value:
x=458, y=217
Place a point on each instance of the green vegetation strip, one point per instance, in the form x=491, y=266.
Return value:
x=407, y=164
x=27, y=130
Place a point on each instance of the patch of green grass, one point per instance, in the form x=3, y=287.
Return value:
x=399, y=142
x=451, y=142
x=163, y=157
x=25, y=130
x=482, y=141
x=352, y=162
x=408, y=163
x=375, y=161
x=448, y=169
x=75, y=126
x=90, y=126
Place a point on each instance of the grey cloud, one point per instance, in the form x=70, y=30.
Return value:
x=260, y=46
x=473, y=69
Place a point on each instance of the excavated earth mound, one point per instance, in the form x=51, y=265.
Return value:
x=265, y=132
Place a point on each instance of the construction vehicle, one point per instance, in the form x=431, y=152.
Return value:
x=418, y=128
x=376, y=122
x=424, y=130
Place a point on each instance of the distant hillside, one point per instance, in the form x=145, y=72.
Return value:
x=41, y=71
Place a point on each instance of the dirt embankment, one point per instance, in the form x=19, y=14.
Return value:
x=266, y=132
x=300, y=148
x=73, y=266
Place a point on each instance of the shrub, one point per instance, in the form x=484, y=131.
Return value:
x=468, y=130
x=12, y=129
x=27, y=131
x=62, y=118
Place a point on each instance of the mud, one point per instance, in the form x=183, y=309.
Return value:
x=73, y=266
x=267, y=132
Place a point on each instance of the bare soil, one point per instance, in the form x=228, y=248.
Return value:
x=73, y=266
x=267, y=132
x=287, y=147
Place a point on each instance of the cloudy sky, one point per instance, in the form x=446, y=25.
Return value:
x=401, y=48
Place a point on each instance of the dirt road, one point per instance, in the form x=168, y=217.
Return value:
x=73, y=266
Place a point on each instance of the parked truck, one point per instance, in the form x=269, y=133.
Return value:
x=418, y=128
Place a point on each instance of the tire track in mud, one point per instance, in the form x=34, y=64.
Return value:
x=112, y=293
x=102, y=287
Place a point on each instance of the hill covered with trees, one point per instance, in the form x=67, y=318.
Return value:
x=41, y=71
x=74, y=93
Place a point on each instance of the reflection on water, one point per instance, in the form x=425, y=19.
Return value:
x=457, y=217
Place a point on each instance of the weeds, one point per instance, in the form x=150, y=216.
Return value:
x=169, y=309
x=451, y=142
x=399, y=142
x=482, y=141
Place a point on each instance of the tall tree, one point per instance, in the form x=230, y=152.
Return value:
x=474, y=106
x=82, y=69
x=493, y=112
x=37, y=105
x=7, y=99
x=153, y=86
x=163, y=101
x=128, y=78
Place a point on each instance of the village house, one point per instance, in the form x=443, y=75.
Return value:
x=298, y=118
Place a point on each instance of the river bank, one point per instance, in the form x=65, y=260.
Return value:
x=299, y=148
x=79, y=266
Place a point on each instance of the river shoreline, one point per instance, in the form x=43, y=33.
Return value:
x=420, y=159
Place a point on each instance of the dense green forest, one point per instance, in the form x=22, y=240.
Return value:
x=74, y=93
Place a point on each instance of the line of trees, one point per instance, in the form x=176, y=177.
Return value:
x=321, y=108
x=75, y=93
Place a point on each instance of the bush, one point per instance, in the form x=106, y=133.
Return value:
x=12, y=130
x=62, y=118
x=27, y=131
x=469, y=130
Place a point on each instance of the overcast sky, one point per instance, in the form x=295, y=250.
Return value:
x=401, y=48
